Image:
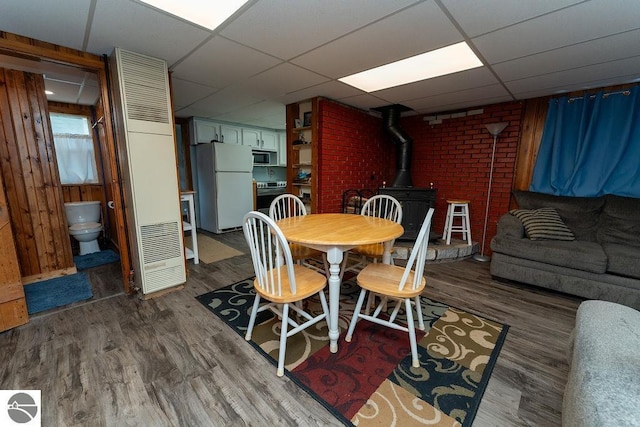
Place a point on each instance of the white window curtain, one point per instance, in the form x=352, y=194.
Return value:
x=76, y=159
x=74, y=149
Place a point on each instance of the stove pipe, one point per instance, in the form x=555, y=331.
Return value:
x=402, y=141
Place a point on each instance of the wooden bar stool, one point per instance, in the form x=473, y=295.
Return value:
x=457, y=209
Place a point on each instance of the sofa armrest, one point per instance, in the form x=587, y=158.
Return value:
x=510, y=226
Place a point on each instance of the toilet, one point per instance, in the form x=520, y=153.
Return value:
x=83, y=219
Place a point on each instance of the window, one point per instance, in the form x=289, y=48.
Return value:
x=74, y=149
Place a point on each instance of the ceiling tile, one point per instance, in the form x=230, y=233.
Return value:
x=605, y=49
x=221, y=62
x=186, y=93
x=62, y=91
x=285, y=28
x=468, y=97
x=89, y=95
x=616, y=72
x=415, y=30
x=47, y=20
x=365, y=102
x=332, y=89
x=280, y=80
x=457, y=106
x=225, y=101
x=480, y=17
x=469, y=79
x=535, y=93
x=260, y=114
x=575, y=24
x=142, y=30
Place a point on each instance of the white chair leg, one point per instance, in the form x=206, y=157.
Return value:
x=412, y=334
x=283, y=340
x=252, y=318
x=467, y=225
x=447, y=225
x=325, y=307
x=343, y=266
x=419, y=312
x=370, y=302
x=356, y=313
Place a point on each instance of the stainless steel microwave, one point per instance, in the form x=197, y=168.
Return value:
x=261, y=157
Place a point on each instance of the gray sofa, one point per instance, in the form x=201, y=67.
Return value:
x=603, y=387
x=603, y=262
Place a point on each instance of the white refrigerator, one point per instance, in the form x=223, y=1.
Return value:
x=225, y=191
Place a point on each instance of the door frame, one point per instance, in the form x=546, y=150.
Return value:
x=16, y=45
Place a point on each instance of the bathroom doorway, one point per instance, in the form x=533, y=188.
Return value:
x=52, y=63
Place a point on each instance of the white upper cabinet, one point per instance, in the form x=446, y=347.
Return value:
x=230, y=134
x=269, y=140
x=260, y=139
x=251, y=137
x=204, y=132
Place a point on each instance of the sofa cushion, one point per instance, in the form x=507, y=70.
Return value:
x=620, y=221
x=509, y=225
x=602, y=388
x=543, y=224
x=580, y=255
x=581, y=214
x=623, y=259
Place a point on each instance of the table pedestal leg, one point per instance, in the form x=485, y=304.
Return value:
x=386, y=255
x=334, y=256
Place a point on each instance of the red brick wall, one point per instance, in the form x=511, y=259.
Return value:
x=456, y=156
x=354, y=153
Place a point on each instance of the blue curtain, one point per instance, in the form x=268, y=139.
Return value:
x=590, y=146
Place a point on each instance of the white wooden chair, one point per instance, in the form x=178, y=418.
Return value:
x=280, y=281
x=381, y=206
x=402, y=284
x=288, y=205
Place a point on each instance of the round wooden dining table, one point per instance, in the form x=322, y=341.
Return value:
x=335, y=233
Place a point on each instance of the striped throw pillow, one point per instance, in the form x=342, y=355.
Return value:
x=543, y=224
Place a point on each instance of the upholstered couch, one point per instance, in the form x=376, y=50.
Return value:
x=603, y=387
x=602, y=261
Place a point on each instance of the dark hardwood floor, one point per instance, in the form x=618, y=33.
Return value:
x=120, y=360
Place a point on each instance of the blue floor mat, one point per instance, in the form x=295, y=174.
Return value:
x=57, y=292
x=97, y=258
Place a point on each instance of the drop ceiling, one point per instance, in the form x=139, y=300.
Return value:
x=274, y=52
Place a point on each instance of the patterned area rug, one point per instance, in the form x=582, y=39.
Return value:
x=370, y=381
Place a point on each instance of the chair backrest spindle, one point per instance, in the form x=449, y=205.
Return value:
x=418, y=255
x=383, y=206
x=269, y=253
x=285, y=206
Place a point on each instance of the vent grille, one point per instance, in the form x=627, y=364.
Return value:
x=145, y=86
x=164, y=278
x=160, y=242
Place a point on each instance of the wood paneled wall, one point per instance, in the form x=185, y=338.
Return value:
x=31, y=179
x=13, y=307
x=14, y=44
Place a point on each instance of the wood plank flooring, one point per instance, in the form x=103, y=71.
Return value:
x=119, y=360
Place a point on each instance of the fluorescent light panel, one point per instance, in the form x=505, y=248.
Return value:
x=208, y=14
x=447, y=60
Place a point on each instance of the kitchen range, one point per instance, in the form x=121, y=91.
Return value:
x=266, y=191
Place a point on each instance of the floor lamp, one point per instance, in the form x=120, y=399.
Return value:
x=494, y=129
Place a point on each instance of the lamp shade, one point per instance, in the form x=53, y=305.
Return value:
x=495, y=128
